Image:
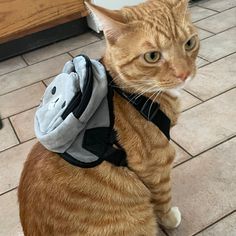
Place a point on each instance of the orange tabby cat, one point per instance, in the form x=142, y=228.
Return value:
x=151, y=50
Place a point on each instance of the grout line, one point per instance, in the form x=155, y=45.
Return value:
x=220, y=219
x=193, y=95
x=83, y=47
x=42, y=81
x=207, y=36
x=199, y=154
x=45, y=83
x=18, y=113
x=203, y=58
x=203, y=18
x=198, y=4
x=226, y=30
x=67, y=52
x=204, y=101
x=218, y=59
x=208, y=8
x=15, y=70
x=200, y=102
x=182, y=148
x=193, y=106
x=18, y=144
x=22, y=56
x=12, y=70
x=208, y=63
x=28, y=85
x=219, y=94
x=1, y=194
x=14, y=129
x=71, y=52
x=49, y=58
x=213, y=34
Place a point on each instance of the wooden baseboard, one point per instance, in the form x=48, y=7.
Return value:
x=43, y=38
x=24, y=17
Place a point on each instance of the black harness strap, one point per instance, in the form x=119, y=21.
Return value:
x=148, y=109
x=115, y=153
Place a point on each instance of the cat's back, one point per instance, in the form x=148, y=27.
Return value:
x=57, y=198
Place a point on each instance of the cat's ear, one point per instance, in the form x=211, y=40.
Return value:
x=180, y=10
x=181, y=5
x=111, y=21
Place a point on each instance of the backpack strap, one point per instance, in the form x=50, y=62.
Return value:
x=115, y=153
x=103, y=142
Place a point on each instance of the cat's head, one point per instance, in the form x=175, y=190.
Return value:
x=152, y=46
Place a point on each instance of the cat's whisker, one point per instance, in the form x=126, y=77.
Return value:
x=149, y=99
x=140, y=94
x=157, y=94
x=146, y=91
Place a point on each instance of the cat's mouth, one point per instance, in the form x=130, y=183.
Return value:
x=175, y=90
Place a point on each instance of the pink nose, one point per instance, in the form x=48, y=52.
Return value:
x=183, y=75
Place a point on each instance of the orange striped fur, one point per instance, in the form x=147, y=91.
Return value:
x=56, y=198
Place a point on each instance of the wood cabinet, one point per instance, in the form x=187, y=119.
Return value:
x=19, y=18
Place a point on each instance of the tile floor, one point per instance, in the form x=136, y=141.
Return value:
x=204, y=177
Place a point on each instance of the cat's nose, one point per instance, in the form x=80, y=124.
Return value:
x=183, y=75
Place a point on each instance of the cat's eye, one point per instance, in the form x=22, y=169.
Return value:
x=190, y=44
x=152, y=57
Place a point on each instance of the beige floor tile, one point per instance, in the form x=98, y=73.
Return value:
x=201, y=62
x=181, y=155
x=204, y=34
x=204, y=189
x=219, y=45
x=218, y=5
x=214, y=78
x=219, y=22
x=7, y=136
x=188, y=100
x=207, y=124
x=9, y=215
x=21, y=100
x=23, y=124
x=225, y=227
x=95, y=50
x=59, y=48
x=32, y=74
x=11, y=165
x=199, y=13
x=48, y=81
x=11, y=65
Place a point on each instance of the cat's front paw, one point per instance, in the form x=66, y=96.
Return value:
x=172, y=219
